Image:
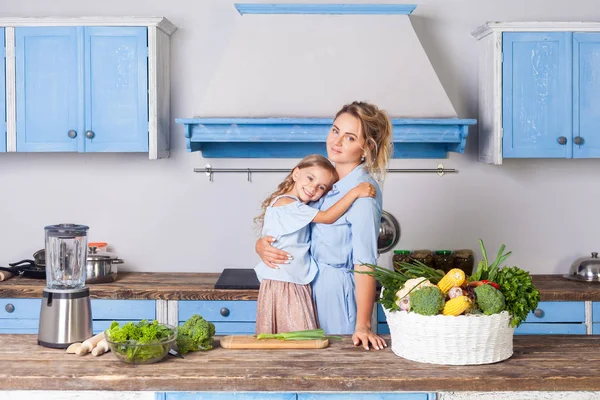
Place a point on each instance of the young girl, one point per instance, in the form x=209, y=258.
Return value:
x=285, y=301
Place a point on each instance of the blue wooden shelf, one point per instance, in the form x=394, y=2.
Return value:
x=334, y=9
x=297, y=137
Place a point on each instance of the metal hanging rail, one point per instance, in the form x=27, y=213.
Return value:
x=209, y=170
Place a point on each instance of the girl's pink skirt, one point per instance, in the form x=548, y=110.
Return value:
x=285, y=307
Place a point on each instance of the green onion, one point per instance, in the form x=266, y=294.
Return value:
x=311, y=334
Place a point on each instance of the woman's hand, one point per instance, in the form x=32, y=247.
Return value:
x=363, y=335
x=271, y=255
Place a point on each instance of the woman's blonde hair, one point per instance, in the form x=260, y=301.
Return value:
x=377, y=131
x=312, y=160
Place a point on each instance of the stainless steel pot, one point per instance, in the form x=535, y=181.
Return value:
x=101, y=267
x=585, y=269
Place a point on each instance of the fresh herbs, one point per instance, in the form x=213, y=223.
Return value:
x=520, y=294
x=310, y=334
x=486, y=270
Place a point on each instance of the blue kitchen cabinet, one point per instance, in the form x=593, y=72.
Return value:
x=539, y=96
x=231, y=317
x=82, y=89
x=586, y=95
x=22, y=315
x=2, y=92
x=225, y=396
x=292, y=396
x=555, y=318
x=596, y=318
x=536, y=95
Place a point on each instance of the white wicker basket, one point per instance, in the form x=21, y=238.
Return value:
x=440, y=339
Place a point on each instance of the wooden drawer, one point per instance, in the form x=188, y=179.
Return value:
x=558, y=311
x=219, y=310
x=596, y=311
x=20, y=309
x=366, y=396
x=551, y=329
x=225, y=396
x=123, y=309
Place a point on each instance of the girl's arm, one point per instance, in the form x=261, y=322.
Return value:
x=334, y=212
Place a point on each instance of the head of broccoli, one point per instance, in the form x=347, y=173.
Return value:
x=427, y=301
x=195, y=334
x=489, y=299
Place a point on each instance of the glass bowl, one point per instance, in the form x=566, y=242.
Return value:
x=132, y=352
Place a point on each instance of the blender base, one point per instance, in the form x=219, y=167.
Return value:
x=65, y=317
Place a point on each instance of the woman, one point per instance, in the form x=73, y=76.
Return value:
x=360, y=144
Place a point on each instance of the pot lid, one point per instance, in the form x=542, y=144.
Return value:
x=93, y=254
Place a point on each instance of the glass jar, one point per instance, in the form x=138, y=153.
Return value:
x=424, y=256
x=66, y=256
x=444, y=260
x=464, y=259
x=401, y=256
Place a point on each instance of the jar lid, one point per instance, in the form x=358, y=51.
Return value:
x=443, y=252
x=403, y=252
x=67, y=230
x=93, y=254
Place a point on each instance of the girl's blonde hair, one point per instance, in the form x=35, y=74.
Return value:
x=312, y=160
x=376, y=127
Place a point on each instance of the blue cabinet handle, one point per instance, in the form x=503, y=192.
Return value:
x=89, y=134
x=224, y=311
x=9, y=308
x=538, y=312
x=72, y=134
x=578, y=140
x=562, y=140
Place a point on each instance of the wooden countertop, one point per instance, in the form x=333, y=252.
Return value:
x=544, y=363
x=200, y=286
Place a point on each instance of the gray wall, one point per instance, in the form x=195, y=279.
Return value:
x=160, y=216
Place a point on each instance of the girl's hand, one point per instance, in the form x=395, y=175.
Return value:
x=365, y=189
x=271, y=255
x=363, y=335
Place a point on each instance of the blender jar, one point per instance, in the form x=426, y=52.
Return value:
x=66, y=256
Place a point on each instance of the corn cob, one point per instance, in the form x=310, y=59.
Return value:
x=454, y=277
x=456, y=306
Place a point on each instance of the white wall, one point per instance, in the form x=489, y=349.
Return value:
x=160, y=216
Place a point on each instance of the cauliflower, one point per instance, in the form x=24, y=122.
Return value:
x=402, y=295
x=490, y=300
x=427, y=301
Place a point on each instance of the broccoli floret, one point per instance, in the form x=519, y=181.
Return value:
x=427, y=301
x=195, y=334
x=490, y=300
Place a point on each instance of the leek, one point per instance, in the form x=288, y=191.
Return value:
x=311, y=334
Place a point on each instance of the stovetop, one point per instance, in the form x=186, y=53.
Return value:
x=238, y=278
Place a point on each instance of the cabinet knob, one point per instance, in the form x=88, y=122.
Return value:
x=224, y=311
x=72, y=134
x=538, y=312
x=89, y=134
x=9, y=308
x=562, y=140
x=578, y=140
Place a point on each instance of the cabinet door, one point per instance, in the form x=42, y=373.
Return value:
x=116, y=89
x=49, y=111
x=231, y=317
x=536, y=95
x=2, y=92
x=586, y=95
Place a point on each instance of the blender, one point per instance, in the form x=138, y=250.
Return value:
x=66, y=315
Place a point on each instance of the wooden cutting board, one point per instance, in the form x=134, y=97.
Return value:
x=251, y=342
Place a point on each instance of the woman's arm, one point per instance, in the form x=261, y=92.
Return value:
x=365, y=221
x=334, y=212
x=270, y=255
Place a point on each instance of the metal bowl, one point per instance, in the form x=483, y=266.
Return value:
x=389, y=233
x=585, y=269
